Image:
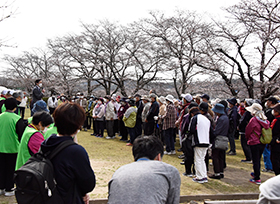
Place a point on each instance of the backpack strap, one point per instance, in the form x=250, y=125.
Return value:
x=60, y=147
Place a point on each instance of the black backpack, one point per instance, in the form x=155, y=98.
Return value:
x=35, y=181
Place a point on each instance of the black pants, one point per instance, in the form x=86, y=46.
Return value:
x=51, y=110
x=123, y=130
x=7, y=169
x=22, y=111
x=138, y=127
x=231, y=141
x=149, y=128
x=218, y=157
x=89, y=121
x=189, y=156
x=246, y=148
x=257, y=151
x=275, y=160
x=99, y=127
x=116, y=126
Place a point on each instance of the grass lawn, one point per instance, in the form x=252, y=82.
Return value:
x=106, y=156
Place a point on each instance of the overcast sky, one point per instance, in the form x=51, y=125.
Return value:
x=36, y=21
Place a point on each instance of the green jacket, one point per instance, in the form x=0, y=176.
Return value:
x=23, y=152
x=9, y=141
x=129, y=117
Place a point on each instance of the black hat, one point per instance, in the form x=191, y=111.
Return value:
x=203, y=106
x=124, y=99
x=137, y=95
x=232, y=101
x=205, y=96
x=272, y=99
x=131, y=102
x=192, y=104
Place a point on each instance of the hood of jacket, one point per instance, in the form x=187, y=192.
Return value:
x=265, y=124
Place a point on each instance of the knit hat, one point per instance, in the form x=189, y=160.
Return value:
x=256, y=109
x=203, y=106
x=277, y=108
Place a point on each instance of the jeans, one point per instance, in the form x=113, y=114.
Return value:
x=257, y=151
x=169, y=140
x=199, y=162
x=266, y=158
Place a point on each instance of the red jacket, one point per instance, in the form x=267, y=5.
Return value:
x=254, y=130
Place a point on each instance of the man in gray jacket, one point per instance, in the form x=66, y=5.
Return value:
x=148, y=179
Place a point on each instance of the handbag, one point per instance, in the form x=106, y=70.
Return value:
x=221, y=142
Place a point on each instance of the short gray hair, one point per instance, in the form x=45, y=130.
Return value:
x=18, y=94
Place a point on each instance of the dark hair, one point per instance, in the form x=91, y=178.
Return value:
x=194, y=110
x=44, y=117
x=37, y=81
x=147, y=146
x=68, y=118
x=11, y=103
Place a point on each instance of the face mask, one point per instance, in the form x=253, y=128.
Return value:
x=105, y=100
x=272, y=112
x=99, y=102
x=81, y=97
x=62, y=98
x=45, y=130
x=40, y=85
x=266, y=105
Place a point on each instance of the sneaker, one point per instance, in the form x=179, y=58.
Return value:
x=204, y=180
x=85, y=129
x=246, y=161
x=222, y=175
x=252, y=174
x=2, y=191
x=213, y=176
x=182, y=163
x=182, y=156
x=10, y=193
x=129, y=144
x=188, y=175
x=179, y=150
x=258, y=182
x=168, y=153
x=108, y=138
x=173, y=152
x=231, y=153
x=93, y=134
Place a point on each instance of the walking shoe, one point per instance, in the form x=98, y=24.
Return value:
x=204, y=180
x=85, y=129
x=188, y=175
x=267, y=170
x=258, y=182
x=252, y=174
x=246, y=161
x=2, y=191
x=179, y=150
x=173, y=152
x=231, y=153
x=213, y=176
x=10, y=193
x=182, y=163
x=168, y=153
x=108, y=138
x=129, y=144
x=182, y=156
x=222, y=175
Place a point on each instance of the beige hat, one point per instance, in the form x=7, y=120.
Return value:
x=145, y=97
x=256, y=109
x=161, y=99
x=169, y=98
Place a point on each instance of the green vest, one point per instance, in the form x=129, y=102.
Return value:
x=50, y=131
x=23, y=152
x=29, y=120
x=3, y=108
x=8, y=137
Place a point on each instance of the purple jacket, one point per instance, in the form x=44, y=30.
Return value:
x=122, y=110
x=255, y=127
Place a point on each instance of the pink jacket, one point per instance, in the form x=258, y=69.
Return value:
x=255, y=127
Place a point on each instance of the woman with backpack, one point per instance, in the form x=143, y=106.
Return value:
x=253, y=133
x=73, y=173
x=33, y=137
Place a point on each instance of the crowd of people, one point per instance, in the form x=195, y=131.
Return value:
x=203, y=128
